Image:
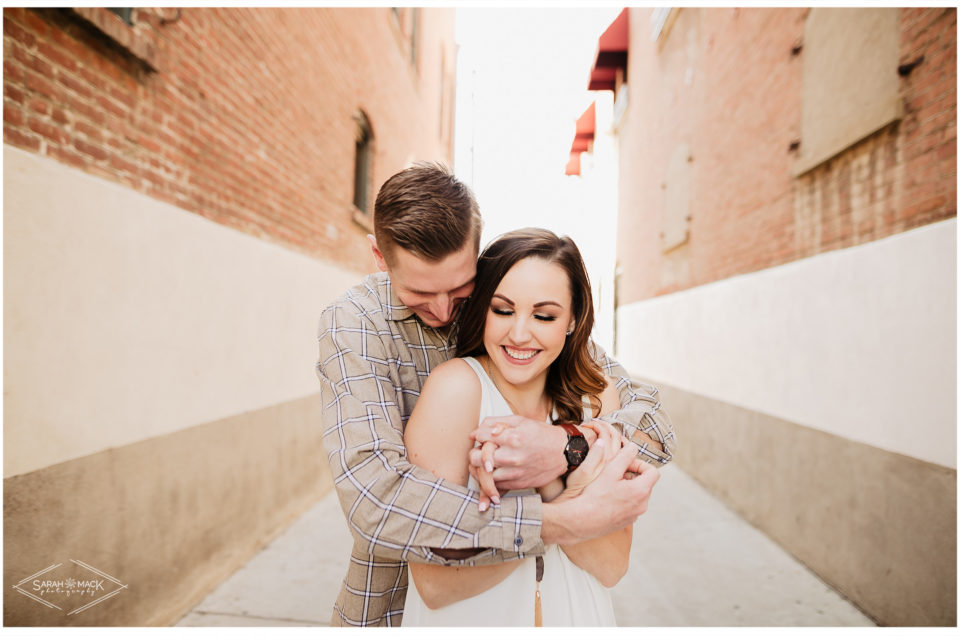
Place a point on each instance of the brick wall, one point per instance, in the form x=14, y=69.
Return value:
x=725, y=82
x=244, y=116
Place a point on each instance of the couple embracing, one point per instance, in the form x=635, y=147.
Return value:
x=490, y=459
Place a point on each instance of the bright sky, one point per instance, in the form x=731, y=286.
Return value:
x=521, y=85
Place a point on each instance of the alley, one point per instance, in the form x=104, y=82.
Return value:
x=694, y=563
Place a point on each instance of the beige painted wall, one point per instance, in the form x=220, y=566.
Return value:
x=170, y=517
x=879, y=527
x=126, y=318
x=859, y=343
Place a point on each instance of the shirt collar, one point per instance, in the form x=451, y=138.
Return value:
x=395, y=309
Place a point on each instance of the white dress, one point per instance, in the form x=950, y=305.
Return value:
x=569, y=595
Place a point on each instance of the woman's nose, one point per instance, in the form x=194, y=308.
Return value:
x=519, y=333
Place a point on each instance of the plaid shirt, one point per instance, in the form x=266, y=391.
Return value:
x=375, y=355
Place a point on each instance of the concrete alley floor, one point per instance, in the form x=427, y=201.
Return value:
x=694, y=563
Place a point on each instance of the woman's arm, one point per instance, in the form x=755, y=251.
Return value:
x=437, y=437
x=606, y=557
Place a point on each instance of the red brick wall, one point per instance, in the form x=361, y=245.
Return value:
x=247, y=119
x=725, y=82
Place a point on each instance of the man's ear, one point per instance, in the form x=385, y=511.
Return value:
x=377, y=254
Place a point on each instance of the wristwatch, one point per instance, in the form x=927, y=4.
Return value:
x=576, y=448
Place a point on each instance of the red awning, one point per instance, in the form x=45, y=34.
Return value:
x=585, y=130
x=586, y=125
x=612, y=49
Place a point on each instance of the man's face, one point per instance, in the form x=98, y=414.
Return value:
x=433, y=290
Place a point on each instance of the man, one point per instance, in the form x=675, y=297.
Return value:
x=378, y=342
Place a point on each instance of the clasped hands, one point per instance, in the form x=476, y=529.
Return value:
x=515, y=452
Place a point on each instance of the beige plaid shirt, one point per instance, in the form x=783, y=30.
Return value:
x=375, y=355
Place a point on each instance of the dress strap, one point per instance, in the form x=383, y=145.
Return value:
x=487, y=387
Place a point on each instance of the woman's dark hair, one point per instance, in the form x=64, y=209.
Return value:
x=574, y=373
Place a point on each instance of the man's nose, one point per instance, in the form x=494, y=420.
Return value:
x=443, y=308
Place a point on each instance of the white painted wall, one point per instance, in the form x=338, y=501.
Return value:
x=860, y=342
x=127, y=318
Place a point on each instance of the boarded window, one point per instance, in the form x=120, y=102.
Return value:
x=850, y=81
x=676, y=205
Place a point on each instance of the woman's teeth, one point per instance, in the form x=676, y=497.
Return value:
x=519, y=355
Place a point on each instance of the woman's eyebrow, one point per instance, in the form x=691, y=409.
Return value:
x=535, y=306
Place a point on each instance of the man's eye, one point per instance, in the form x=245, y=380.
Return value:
x=501, y=312
x=544, y=318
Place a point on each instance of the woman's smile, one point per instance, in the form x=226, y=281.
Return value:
x=519, y=356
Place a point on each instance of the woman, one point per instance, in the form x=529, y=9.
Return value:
x=523, y=349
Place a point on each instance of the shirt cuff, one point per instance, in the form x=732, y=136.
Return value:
x=521, y=516
x=512, y=533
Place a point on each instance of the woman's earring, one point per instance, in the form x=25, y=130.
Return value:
x=570, y=332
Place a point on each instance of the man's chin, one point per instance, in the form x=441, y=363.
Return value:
x=434, y=322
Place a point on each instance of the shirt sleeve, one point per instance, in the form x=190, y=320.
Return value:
x=396, y=509
x=640, y=410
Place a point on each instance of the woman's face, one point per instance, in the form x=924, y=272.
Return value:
x=527, y=321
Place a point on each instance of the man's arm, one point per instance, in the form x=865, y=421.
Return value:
x=399, y=510
x=640, y=417
x=608, y=503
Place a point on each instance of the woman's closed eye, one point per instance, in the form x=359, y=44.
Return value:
x=502, y=311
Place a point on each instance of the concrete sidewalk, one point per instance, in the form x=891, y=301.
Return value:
x=694, y=563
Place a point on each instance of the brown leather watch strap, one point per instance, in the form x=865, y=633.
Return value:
x=570, y=428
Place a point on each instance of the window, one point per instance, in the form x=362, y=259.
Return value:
x=125, y=14
x=362, y=163
x=136, y=37
x=414, y=28
x=406, y=21
x=658, y=20
x=850, y=82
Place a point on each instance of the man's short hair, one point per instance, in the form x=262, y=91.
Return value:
x=426, y=211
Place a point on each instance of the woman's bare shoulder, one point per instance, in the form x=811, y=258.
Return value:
x=437, y=433
x=456, y=374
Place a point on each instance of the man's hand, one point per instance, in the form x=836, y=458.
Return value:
x=611, y=501
x=515, y=452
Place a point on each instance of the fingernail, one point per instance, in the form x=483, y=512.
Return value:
x=495, y=500
x=483, y=506
x=598, y=443
x=489, y=466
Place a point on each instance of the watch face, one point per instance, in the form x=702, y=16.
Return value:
x=576, y=450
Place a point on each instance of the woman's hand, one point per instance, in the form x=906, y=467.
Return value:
x=608, y=444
